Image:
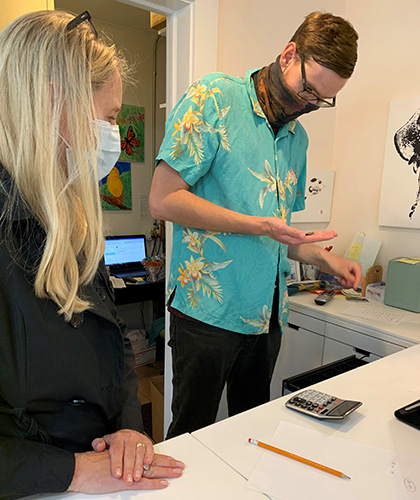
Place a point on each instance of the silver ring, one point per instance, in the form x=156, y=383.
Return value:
x=146, y=467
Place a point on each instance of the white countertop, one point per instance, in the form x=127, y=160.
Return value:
x=382, y=386
x=205, y=477
x=407, y=333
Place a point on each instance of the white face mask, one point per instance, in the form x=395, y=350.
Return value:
x=109, y=149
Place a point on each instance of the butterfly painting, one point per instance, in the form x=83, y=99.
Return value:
x=131, y=123
x=130, y=142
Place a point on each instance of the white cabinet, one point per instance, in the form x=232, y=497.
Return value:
x=341, y=342
x=301, y=350
x=314, y=338
x=333, y=351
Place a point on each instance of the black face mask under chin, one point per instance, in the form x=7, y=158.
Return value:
x=279, y=102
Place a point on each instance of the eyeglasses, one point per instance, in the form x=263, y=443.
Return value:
x=81, y=18
x=310, y=95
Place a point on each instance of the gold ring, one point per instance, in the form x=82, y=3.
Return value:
x=140, y=444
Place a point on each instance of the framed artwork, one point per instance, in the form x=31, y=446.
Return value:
x=401, y=174
x=115, y=189
x=131, y=123
x=318, y=196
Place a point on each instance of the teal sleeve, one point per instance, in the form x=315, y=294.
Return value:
x=193, y=133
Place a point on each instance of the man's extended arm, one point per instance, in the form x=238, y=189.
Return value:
x=170, y=199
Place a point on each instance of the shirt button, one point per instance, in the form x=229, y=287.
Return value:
x=76, y=320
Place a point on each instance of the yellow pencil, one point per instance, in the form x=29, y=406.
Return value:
x=298, y=458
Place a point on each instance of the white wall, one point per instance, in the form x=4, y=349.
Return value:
x=351, y=138
x=387, y=70
x=138, y=48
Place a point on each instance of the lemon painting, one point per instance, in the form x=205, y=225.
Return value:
x=115, y=189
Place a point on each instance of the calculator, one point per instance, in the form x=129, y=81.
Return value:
x=322, y=406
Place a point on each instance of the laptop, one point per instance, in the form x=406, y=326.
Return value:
x=123, y=255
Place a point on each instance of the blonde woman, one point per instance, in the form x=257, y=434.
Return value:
x=70, y=419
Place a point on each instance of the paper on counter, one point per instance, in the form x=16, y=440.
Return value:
x=117, y=282
x=373, y=314
x=375, y=472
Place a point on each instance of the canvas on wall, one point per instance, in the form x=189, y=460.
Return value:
x=115, y=188
x=318, y=196
x=131, y=122
x=401, y=174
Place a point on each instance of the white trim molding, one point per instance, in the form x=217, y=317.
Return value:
x=164, y=7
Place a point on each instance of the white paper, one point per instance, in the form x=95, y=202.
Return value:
x=373, y=314
x=318, y=196
x=375, y=472
x=117, y=282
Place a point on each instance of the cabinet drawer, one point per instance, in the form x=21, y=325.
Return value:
x=297, y=320
x=359, y=341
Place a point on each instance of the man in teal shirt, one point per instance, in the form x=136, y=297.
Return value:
x=231, y=170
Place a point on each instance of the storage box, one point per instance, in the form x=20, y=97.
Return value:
x=376, y=291
x=157, y=394
x=403, y=284
x=143, y=353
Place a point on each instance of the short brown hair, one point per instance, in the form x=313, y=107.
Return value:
x=330, y=40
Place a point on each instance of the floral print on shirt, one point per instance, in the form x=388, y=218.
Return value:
x=219, y=141
x=189, y=131
x=198, y=274
x=275, y=185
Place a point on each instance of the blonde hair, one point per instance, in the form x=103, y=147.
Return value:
x=48, y=76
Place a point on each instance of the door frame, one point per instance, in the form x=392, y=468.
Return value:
x=191, y=52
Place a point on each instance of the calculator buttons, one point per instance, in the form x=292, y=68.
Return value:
x=321, y=405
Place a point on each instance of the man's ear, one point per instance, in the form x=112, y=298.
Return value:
x=288, y=55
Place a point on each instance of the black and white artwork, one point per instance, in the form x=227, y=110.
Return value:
x=400, y=192
x=318, y=196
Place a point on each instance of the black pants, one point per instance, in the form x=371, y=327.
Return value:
x=204, y=358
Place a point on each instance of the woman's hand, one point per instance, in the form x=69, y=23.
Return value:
x=130, y=452
x=92, y=474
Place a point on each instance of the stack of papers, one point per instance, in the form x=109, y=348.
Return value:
x=374, y=472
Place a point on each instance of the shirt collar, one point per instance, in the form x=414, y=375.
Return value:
x=290, y=127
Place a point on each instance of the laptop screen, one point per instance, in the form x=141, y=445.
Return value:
x=122, y=250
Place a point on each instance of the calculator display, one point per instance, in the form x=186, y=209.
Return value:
x=343, y=408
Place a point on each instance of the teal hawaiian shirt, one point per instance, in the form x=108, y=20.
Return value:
x=219, y=140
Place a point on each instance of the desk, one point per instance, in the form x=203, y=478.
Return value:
x=141, y=292
x=219, y=458
x=382, y=386
x=205, y=477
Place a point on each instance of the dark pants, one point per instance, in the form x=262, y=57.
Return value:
x=204, y=358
